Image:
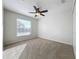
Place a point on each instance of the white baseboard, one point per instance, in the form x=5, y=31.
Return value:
x=56, y=39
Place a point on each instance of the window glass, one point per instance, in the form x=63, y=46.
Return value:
x=23, y=27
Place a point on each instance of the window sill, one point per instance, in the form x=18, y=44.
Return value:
x=24, y=34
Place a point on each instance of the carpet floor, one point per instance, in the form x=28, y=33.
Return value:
x=46, y=49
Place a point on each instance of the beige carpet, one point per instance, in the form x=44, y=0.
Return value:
x=46, y=49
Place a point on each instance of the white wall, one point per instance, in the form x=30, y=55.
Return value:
x=10, y=27
x=74, y=30
x=57, y=25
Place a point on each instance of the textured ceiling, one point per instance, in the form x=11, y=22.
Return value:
x=26, y=6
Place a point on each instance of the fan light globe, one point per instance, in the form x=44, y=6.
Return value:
x=37, y=14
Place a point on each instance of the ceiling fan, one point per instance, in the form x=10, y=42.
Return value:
x=38, y=12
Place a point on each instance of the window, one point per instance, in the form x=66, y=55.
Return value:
x=23, y=27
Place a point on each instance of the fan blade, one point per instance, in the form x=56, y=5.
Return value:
x=43, y=11
x=42, y=14
x=35, y=7
x=32, y=12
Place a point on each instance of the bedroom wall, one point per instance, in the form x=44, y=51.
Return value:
x=10, y=27
x=74, y=31
x=57, y=25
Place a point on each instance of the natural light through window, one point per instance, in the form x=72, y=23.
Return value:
x=23, y=27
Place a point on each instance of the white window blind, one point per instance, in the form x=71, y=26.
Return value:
x=23, y=27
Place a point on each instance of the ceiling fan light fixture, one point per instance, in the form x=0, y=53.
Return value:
x=37, y=14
